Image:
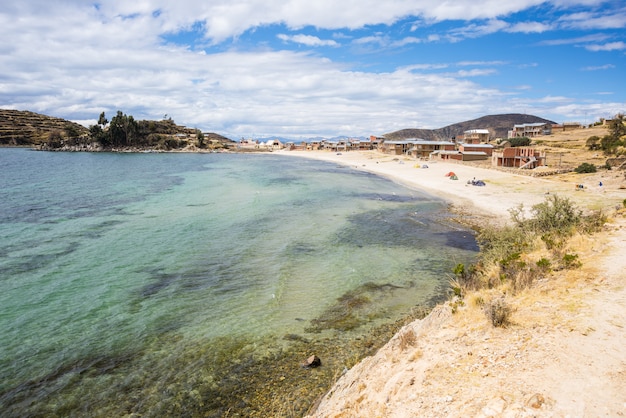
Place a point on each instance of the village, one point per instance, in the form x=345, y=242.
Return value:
x=475, y=145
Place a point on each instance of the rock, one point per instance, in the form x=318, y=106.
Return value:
x=312, y=362
x=494, y=408
x=536, y=401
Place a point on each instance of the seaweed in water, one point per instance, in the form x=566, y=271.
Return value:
x=351, y=309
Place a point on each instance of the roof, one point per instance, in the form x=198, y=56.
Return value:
x=474, y=153
x=476, y=145
x=446, y=152
x=530, y=125
x=477, y=131
x=419, y=142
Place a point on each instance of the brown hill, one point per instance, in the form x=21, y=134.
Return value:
x=498, y=126
x=19, y=127
x=24, y=128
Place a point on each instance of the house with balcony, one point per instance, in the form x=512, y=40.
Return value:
x=422, y=148
x=519, y=157
x=476, y=136
x=396, y=147
x=530, y=130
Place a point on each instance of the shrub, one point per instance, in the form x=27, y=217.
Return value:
x=553, y=241
x=408, y=338
x=593, y=143
x=544, y=265
x=570, y=261
x=498, y=311
x=593, y=222
x=557, y=215
x=498, y=244
x=520, y=142
x=585, y=168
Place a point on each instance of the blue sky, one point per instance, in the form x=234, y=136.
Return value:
x=296, y=68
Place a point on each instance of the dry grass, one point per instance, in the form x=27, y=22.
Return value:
x=407, y=339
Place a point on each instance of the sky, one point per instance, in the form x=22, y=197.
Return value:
x=304, y=68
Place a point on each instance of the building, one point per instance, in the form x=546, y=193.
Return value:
x=487, y=149
x=396, y=147
x=423, y=149
x=476, y=136
x=519, y=157
x=530, y=130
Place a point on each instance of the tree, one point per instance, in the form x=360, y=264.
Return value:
x=122, y=130
x=593, y=143
x=102, y=120
x=613, y=140
x=617, y=128
x=520, y=142
x=200, y=138
x=609, y=144
x=97, y=134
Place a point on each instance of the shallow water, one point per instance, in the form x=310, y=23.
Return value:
x=122, y=275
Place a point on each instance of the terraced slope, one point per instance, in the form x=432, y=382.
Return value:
x=24, y=128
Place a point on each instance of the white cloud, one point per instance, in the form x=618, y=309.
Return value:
x=477, y=30
x=610, y=46
x=307, y=40
x=599, y=67
x=476, y=72
x=596, y=37
x=407, y=41
x=612, y=19
x=529, y=27
x=74, y=59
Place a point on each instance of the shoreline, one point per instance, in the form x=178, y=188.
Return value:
x=547, y=363
x=502, y=191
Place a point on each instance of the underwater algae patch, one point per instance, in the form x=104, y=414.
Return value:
x=226, y=376
x=353, y=309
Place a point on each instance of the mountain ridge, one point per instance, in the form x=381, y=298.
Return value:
x=498, y=126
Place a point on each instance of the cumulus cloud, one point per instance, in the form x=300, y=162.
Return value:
x=188, y=59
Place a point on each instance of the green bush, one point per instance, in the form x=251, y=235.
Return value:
x=585, y=168
x=570, y=261
x=556, y=214
x=520, y=142
x=544, y=265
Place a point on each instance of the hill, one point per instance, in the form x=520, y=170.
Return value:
x=498, y=126
x=25, y=128
x=22, y=128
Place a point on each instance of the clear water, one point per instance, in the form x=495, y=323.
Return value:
x=102, y=254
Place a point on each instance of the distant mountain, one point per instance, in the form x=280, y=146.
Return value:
x=498, y=126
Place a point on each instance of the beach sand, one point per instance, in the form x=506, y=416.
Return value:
x=562, y=356
x=502, y=192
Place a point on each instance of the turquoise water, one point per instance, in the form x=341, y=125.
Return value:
x=136, y=259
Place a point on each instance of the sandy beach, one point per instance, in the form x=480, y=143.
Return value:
x=503, y=190
x=562, y=356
